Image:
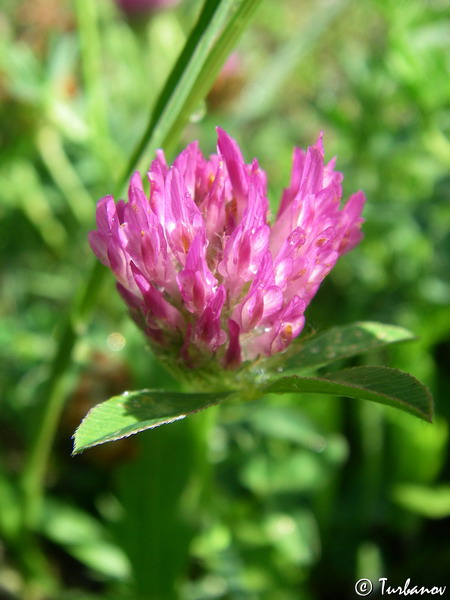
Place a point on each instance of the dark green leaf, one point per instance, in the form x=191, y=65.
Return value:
x=379, y=384
x=132, y=412
x=342, y=342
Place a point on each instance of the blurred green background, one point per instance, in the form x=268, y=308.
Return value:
x=275, y=500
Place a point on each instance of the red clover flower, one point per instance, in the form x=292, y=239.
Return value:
x=206, y=274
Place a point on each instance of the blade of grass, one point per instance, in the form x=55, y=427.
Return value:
x=185, y=68
x=204, y=53
x=194, y=73
x=189, y=97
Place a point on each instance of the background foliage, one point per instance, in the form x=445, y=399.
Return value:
x=275, y=499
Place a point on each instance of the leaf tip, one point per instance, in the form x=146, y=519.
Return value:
x=77, y=448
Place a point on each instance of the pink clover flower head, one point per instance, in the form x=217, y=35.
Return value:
x=205, y=271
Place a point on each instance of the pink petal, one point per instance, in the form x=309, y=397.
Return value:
x=231, y=154
x=208, y=330
x=196, y=282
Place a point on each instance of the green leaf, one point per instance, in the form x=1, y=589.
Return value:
x=429, y=502
x=132, y=412
x=83, y=537
x=342, y=342
x=299, y=471
x=379, y=384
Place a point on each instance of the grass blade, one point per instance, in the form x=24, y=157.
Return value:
x=203, y=55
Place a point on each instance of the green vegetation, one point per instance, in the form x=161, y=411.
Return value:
x=279, y=498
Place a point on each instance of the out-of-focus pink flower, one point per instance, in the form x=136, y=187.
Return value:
x=132, y=7
x=228, y=84
x=203, y=270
